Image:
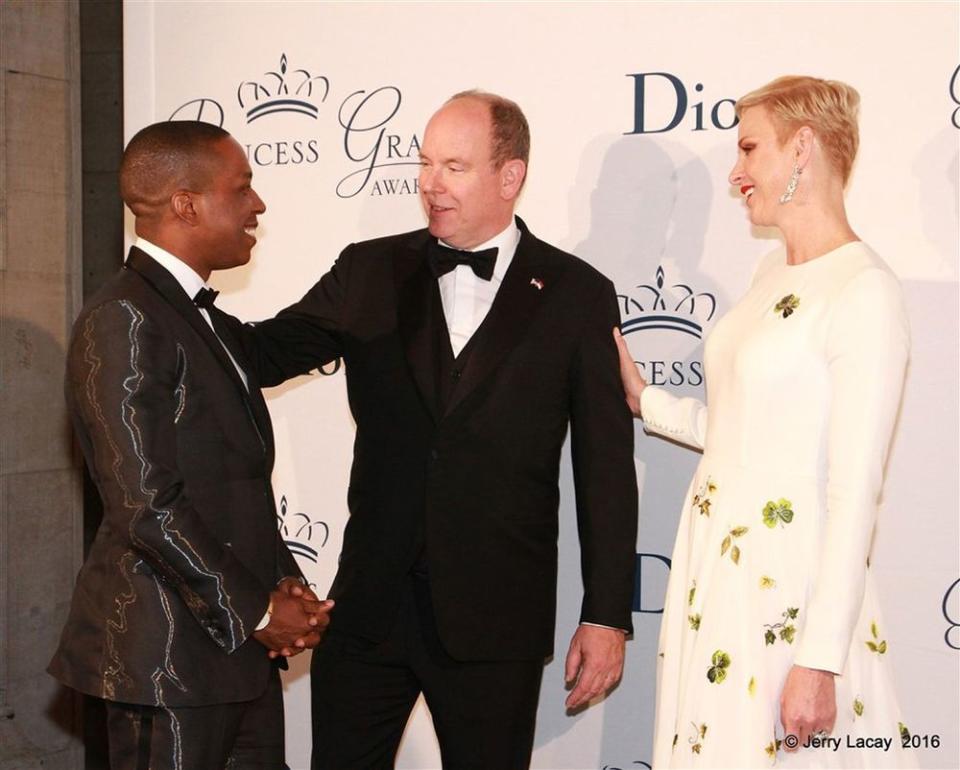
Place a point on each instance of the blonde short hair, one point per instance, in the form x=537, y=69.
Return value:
x=829, y=107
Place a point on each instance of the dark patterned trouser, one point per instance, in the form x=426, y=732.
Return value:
x=233, y=736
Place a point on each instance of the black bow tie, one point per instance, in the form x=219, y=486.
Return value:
x=205, y=298
x=443, y=259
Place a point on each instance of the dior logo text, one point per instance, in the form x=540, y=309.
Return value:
x=650, y=87
x=647, y=599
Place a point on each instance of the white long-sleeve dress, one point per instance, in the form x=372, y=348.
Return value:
x=771, y=562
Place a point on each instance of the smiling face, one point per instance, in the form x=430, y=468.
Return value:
x=467, y=201
x=763, y=165
x=227, y=208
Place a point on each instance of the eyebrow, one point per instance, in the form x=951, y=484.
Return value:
x=444, y=161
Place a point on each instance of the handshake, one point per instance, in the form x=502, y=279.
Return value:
x=297, y=620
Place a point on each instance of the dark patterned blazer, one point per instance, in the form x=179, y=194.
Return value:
x=456, y=468
x=182, y=565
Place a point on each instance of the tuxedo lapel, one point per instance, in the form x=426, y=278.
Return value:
x=252, y=394
x=526, y=285
x=418, y=299
x=168, y=286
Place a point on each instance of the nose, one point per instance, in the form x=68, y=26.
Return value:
x=736, y=173
x=430, y=180
x=259, y=206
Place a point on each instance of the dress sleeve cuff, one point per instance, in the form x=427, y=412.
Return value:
x=818, y=655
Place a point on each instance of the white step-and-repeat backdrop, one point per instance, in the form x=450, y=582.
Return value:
x=631, y=111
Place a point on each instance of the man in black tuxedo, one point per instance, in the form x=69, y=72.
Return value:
x=188, y=590
x=464, y=367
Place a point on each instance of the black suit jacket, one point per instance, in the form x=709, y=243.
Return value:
x=182, y=565
x=472, y=487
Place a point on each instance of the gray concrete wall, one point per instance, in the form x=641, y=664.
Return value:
x=40, y=287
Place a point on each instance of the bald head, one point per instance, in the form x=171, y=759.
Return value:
x=165, y=157
x=510, y=132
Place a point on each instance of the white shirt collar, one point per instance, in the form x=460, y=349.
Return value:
x=185, y=275
x=506, y=244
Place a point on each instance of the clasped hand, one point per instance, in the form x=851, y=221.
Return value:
x=297, y=621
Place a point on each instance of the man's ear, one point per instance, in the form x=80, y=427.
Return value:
x=512, y=174
x=183, y=204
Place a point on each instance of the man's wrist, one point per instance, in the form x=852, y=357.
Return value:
x=601, y=625
x=265, y=620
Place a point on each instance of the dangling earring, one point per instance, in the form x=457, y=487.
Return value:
x=791, y=184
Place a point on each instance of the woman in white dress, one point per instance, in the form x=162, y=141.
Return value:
x=772, y=648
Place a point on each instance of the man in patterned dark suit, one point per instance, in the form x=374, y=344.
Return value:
x=188, y=591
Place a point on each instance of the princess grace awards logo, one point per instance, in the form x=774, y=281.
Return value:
x=273, y=94
x=951, y=614
x=648, y=308
x=301, y=534
x=955, y=97
x=285, y=123
x=674, y=307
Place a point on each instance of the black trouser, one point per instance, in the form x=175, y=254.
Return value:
x=235, y=735
x=362, y=692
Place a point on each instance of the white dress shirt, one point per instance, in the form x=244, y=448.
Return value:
x=467, y=298
x=191, y=283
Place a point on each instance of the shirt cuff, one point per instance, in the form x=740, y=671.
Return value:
x=265, y=620
x=600, y=625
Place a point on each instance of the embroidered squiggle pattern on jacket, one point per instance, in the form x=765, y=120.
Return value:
x=141, y=504
x=112, y=668
x=181, y=390
x=166, y=670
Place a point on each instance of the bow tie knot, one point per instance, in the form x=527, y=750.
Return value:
x=443, y=259
x=205, y=298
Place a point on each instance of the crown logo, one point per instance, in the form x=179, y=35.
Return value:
x=282, y=91
x=300, y=532
x=674, y=309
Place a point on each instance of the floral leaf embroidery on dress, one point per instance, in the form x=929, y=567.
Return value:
x=728, y=542
x=780, y=511
x=876, y=644
x=858, y=707
x=772, y=748
x=784, y=629
x=694, y=621
x=904, y=732
x=701, y=500
x=787, y=305
x=718, y=671
x=767, y=582
x=699, y=733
